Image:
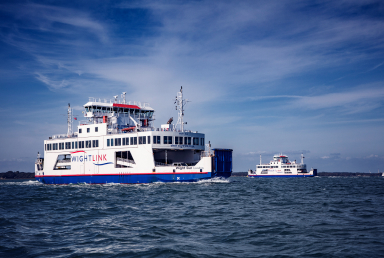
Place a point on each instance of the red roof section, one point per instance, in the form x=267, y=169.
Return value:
x=125, y=106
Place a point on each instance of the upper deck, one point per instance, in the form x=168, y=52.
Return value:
x=112, y=123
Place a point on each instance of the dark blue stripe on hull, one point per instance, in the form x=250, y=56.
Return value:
x=122, y=179
x=284, y=176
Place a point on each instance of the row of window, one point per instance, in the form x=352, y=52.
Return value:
x=128, y=141
x=156, y=140
x=275, y=166
x=124, y=141
x=179, y=140
x=89, y=130
x=71, y=145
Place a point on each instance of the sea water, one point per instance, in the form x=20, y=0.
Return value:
x=235, y=217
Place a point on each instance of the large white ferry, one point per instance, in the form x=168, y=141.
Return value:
x=118, y=144
x=280, y=166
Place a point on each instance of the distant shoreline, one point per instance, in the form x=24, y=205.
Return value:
x=16, y=175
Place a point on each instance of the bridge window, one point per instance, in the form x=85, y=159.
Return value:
x=88, y=144
x=108, y=143
x=95, y=143
x=80, y=130
x=176, y=140
x=156, y=139
x=117, y=141
x=133, y=140
x=165, y=140
x=88, y=130
x=96, y=129
x=195, y=141
x=149, y=139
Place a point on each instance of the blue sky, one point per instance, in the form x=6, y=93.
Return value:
x=263, y=77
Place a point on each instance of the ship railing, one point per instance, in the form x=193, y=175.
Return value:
x=160, y=164
x=126, y=160
x=59, y=136
x=206, y=154
x=64, y=161
x=150, y=129
x=120, y=101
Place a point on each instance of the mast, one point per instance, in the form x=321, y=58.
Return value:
x=69, y=121
x=302, y=158
x=180, y=103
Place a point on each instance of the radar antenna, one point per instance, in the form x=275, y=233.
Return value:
x=180, y=103
x=123, y=97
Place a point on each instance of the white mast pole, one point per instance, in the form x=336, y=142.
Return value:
x=180, y=103
x=69, y=133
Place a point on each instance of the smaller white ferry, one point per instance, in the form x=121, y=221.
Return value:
x=280, y=166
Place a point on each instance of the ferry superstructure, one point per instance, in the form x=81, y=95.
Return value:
x=280, y=166
x=118, y=144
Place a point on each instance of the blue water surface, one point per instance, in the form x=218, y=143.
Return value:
x=235, y=217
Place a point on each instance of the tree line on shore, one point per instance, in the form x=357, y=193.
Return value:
x=16, y=175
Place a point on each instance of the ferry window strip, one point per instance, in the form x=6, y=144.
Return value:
x=156, y=139
x=95, y=143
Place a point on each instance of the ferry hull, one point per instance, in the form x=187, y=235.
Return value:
x=124, y=179
x=280, y=175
